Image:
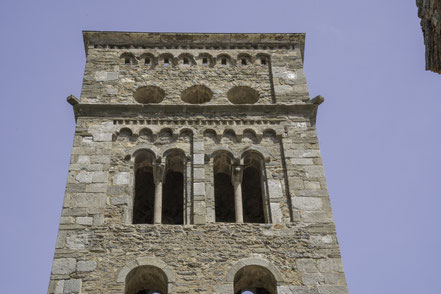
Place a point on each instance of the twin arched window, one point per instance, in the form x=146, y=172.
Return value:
x=238, y=189
x=159, y=190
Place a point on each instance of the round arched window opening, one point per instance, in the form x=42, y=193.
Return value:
x=254, y=279
x=149, y=94
x=242, y=95
x=198, y=94
x=146, y=279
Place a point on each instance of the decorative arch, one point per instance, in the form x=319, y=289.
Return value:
x=149, y=60
x=254, y=273
x=166, y=59
x=146, y=134
x=211, y=134
x=269, y=134
x=146, y=272
x=244, y=59
x=242, y=95
x=124, y=134
x=259, y=150
x=205, y=59
x=253, y=261
x=165, y=135
x=145, y=148
x=224, y=60
x=250, y=134
x=186, y=59
x=128, y=58
x=230, y=134
x=262, y=59
x=197, y=94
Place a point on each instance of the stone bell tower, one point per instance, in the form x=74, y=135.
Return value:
x=196, y=169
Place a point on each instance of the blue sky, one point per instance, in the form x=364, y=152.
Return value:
x=378, y=128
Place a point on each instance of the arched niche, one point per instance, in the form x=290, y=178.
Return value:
x=223, y=187
x=149, y=94
x=253, y=199
x=144, y=200
x=254, y=273
x=128, y=58
x=249, y=136
x=242, y=95
x=173, y=188
x=146, y=273
x=197, y=94
x=146, y=279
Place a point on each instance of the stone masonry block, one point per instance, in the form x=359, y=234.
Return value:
x=87, y=200
x=293, y=290
x=275, y=189
x=307, y=203
x=121, y=178
x=276, y=213
x=333, y=290
x=72, y=286
x=198, y=159
x=59, y=288
x=199, y=189
x=306, y=265
x=86, y=220
x=86, y=266
x=63, y=266
x=198, y=146
x=199, y=173
x=314, y=171
x=330, y=265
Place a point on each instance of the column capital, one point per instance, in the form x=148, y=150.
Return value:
x=236, y=174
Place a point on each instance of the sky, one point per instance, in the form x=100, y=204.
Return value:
x=378, y=128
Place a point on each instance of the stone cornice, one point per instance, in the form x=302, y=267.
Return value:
x=194, y=40
x=130, y=111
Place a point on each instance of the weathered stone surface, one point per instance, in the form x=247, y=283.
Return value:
x=86, y=266
x=72, y=286
x=126, y=156
x=430, y=13
x=63, y=266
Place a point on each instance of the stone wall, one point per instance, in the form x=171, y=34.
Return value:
x=430, y=13
x=98, y=246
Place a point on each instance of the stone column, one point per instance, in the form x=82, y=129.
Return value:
x=158, y=172
x=236, y=180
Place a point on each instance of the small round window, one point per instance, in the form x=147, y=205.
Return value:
x=242, y=95
x=149, y=94
x=197, y=94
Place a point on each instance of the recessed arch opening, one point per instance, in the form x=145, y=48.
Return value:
x=144, y=202
x=252, y=188
x=146, y=279
x=149, y=94
x=254, y=279
x=173, y=189
x=242, y=95
x=223, y=188
x=197, y=94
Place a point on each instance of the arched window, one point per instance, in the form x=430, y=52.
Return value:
x=252, y=188
x=146, y=279
x=254, y=279
x=223, y=188
x=144, y=202
x=173, y=189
